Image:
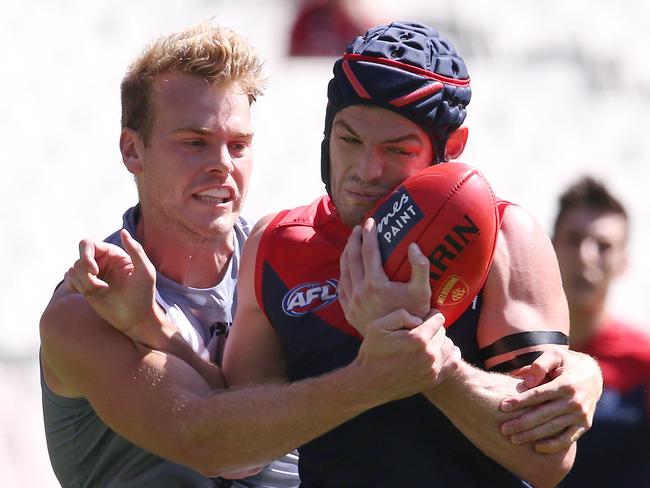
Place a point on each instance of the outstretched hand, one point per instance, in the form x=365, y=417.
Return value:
x=564, y=389
x=366, y=293
x=118, y=283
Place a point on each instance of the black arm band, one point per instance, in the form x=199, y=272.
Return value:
x=523, y=339
x=517, y=362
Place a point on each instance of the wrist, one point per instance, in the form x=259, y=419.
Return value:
x=454, y=379
x=362, y=386
x=154, y=330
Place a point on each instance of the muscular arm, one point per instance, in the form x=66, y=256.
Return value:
x=523, y=292
x=163, y=405
x=253, y=353
x=517, y=296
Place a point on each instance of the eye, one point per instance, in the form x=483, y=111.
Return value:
x=238, y=147
x=604, y=247
x=194, y=142
x=349, y=140
x=400, y=151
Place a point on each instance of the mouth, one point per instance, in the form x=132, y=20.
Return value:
x=364, y=197
x=214, y=196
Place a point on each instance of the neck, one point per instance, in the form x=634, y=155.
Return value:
x=188, y=260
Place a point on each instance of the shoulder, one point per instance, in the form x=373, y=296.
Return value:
x=68, y=329
x=519, y=228
x=523, y=247
x=261, y=227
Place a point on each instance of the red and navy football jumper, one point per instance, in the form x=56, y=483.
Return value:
x=402, y=443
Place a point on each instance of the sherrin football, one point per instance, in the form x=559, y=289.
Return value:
x=450, y=211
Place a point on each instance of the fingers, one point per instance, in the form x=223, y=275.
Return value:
x=529, y=398
x=370, y=254
x=561, y=442
x=351, y=257
x=342, y=296
x=546, y=420
x=399, y=320
x=551, y=428
x=135, y=250
x=87, y=252
x=77, y=279
x=432, y=325
x=82, y=277
x=544, y=365
x=419, y=268
x=553, y=390
x=435, y=311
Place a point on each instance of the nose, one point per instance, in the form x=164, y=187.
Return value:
x=369, y=165
x=588, y=251
x=220, y=160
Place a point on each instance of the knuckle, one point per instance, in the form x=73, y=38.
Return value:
x=578, y=406
x=569, y=389
x=515, y=425
x=548, y=417
x=584, y=414
x=555, y=425
x=534, y=395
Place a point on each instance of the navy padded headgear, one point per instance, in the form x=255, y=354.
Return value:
x=405, y=67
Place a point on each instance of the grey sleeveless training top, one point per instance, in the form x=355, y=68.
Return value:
x=85, y=452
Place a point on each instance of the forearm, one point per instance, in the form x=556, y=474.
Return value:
x=478, y=393
x=159, y=333
x=239, y=428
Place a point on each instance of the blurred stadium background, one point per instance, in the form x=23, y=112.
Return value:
x=559, y=89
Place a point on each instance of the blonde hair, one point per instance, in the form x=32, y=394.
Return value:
x=218, y=55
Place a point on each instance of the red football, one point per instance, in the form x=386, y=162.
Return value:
x=450, y=211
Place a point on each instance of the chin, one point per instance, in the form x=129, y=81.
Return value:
x=353, y=216
x=222, y=225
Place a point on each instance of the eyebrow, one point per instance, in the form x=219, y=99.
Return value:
x=406, y=137
x=204, y=131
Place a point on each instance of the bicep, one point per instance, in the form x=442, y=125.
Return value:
x=253, y=351
x=523, y=292
x=138, y=392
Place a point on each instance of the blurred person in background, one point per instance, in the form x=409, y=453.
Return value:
x=324, y=27
x=590, y=237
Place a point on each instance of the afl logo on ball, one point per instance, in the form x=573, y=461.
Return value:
x=309, y=297
x=452, y=291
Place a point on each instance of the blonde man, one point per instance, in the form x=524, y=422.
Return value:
x=186, y=137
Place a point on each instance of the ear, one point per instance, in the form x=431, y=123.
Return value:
x=456, y=143
x=131, y=147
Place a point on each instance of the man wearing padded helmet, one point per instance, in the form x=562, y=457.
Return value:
x=396, y=104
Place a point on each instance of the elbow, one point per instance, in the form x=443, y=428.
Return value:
x=552, y=469
x=213, y=469
x=204, y=463
x=215, y=462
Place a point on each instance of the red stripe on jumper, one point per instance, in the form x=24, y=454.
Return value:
x=417, y=94
x=354, y=81
x=407, y=67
